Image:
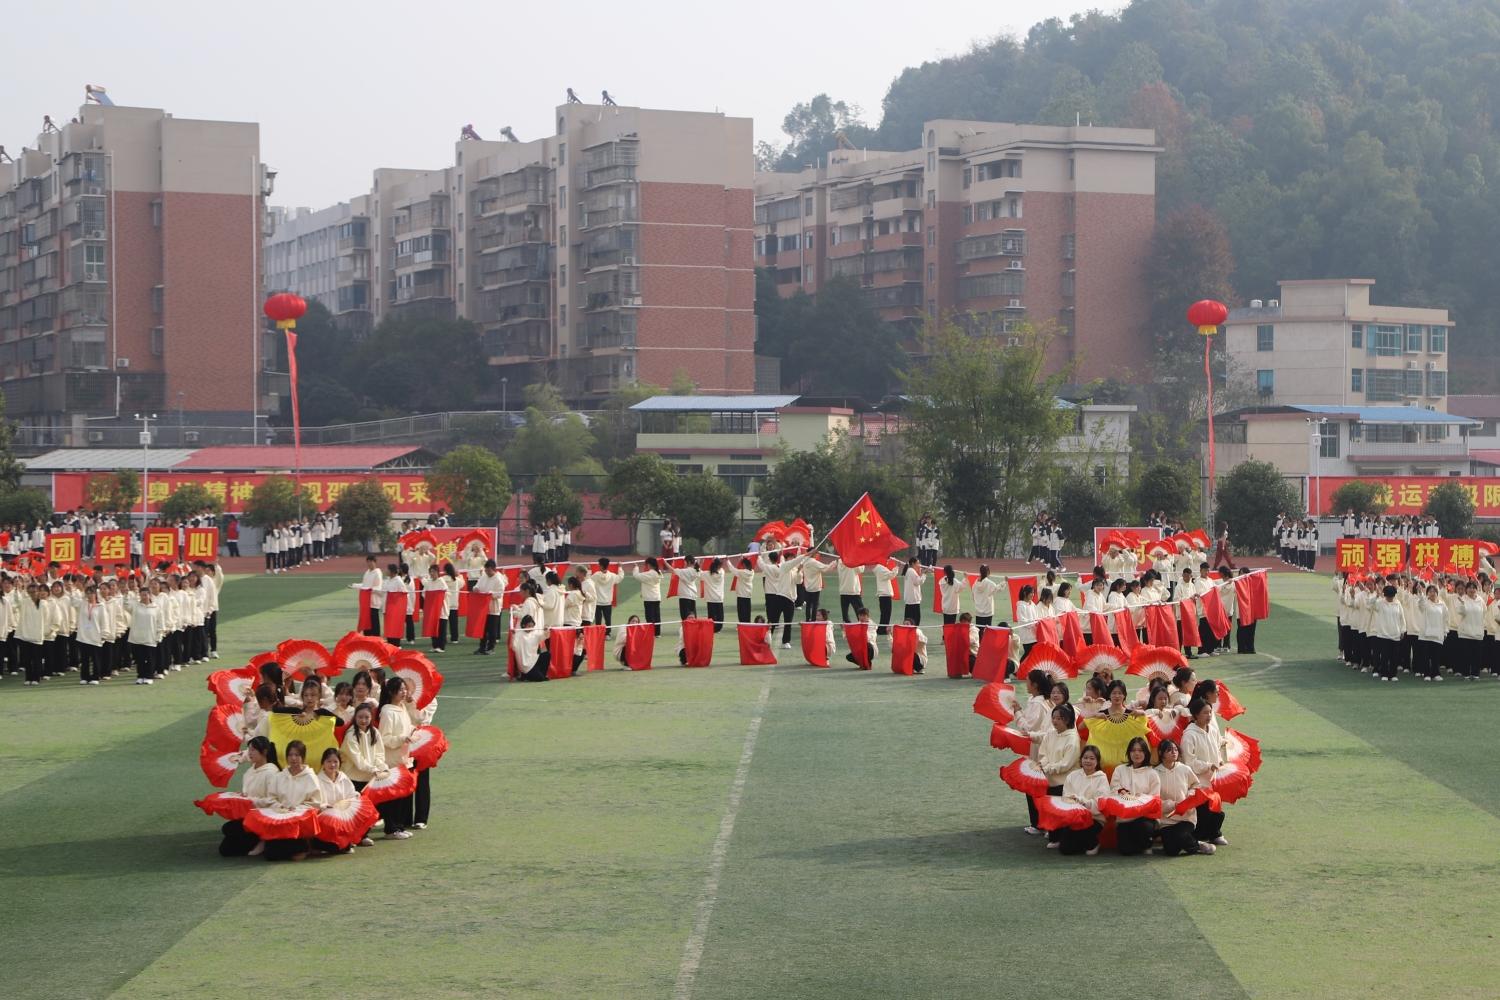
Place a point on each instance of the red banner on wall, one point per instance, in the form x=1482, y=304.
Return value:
x=1408, y=494
x=409, y=494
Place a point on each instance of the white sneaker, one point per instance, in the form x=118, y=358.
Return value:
x=84, y=683
x=419, y=826
x=366, y=842
x=1031, y=831
x=147, y=680
x=214, y=655
x=399, y=835
x=1053, y=844
x=1092, y=850
x=1220, y=841
x=786, y=645
x=93, y=683
x=1204, y=847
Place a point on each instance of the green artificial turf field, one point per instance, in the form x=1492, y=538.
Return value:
x=752, y=832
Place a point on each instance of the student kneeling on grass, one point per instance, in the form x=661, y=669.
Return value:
x=862, y=617
x=1084, y=786
x=529, y=643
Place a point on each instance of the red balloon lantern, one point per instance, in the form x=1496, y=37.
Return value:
x=1207, y=315
x=285, y=309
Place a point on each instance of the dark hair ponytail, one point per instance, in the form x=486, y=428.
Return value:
x=266, y=748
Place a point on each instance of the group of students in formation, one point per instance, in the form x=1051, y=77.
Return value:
x=378, y=720
x=1297, y=541
x=928, y=541
x=1405, y=526
x=18, y=539
x=1046, y=542
x=290, y=544
x=98, y=624
x=552, y=539
x=1404, y=624
x=1165, y=742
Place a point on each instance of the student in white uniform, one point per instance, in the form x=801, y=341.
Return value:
x=605, y=580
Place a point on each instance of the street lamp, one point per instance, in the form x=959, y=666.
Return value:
x=1314, y=478
x=145, y=439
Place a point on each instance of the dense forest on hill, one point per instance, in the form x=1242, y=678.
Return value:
x=1303, y=138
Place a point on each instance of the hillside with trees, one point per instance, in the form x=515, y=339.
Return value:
x=1315, y=138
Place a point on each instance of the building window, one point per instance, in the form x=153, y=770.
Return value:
x=1413, y=383
x=1382, y=386
x=1357, y=335
x=1328, y=440
x=562, y=147
x=1265, y=382
x=156, y=213
x=562, y=235
x=562, y=276
x=968, y=214
x=807, y=205
x=807, y=240
x=158, y=294
x=1356, y=380
x=1072, y=168
x=562, y=198
x=1437, y=340
x=931, y=161
x=932, y=237
x=1384, y=341
x=1265, y=337
x=158, y=341
x=1414, y=338
x=931, y=138
x=968, y=175
x=1437, y=383
x=932, y=307
x=932, y=197
x=931, y=272
x=562, y=314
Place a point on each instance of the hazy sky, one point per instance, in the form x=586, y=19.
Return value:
x=340, y=88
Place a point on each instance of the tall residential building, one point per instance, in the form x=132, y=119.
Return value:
x=324, y=255
x=129, y=272
x=1324, y=342
x=617, y=250
x=987, y=220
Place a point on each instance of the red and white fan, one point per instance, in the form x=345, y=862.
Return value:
x=355, y=652
x=218, y=765
x=1130, y=807
x=1002, y=737
x=1199, y=797
x=423, y=681
x=1057, y=813
x=1232, y=782
x=225, y=727
x=427, y=746
x=1025, y=776
x=261, y=659
x=1091, y=659
x=229, y=805
x=1050, y=660
x=346, y=823
x=1169, y=727
x=232, y=687
x=397, y=783
x=1229, y=706
x=276, y=823
x=302, y=658
x=997, y=702
x=1152, y=662
x=1243, y=751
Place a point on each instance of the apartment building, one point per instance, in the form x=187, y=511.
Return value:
x=324, y=255
x=991, y=223
x=616, y=250
x=1325, y=342
x=129, y=272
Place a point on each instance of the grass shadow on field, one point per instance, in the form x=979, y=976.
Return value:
x=177, y=853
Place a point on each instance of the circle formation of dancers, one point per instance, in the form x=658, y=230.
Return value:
x=327, y=760
x=1142, y=774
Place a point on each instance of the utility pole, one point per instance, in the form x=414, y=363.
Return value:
x=145, y=419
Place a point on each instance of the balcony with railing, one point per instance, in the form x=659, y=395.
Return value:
x=522, y=342
x=494, y=237
x=609, y=331
x=1007, y=244
x=609, y=215
x=529, y=262
x=1414, y=450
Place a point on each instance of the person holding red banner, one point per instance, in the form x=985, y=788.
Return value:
x=605, y=581
x=744, y=590
x=950, y=585
x=911, y=591
x=370, y=587
x=869, y=632
x=1471, y=612
x=650, y=579
x=1136, y=780
x=435, y=609
x=781, y=592
x=885, y=573
x=529, y=641
x=492, y=586
x=454, y=584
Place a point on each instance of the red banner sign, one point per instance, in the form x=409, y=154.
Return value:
x=408, y=493
x=64, y=547
x=202, y=543
x=1387, y=555
x=111, y=547
x=1408, y=494
x=159, y=544
x=1351, y=555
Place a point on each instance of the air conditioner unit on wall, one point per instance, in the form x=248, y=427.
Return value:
x=627, y=259
x=1016, y=265
x=122, y=362
x=1015, y=303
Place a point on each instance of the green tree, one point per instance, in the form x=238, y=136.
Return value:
x=186, y=501
x=639, y=486
x=10, y=468
x=1082, y=504
x=276, y=501
x=417, y=366
x=364, y=511
x=1169, y=487
x=615, y=426
x=114, y=491
x=705, y=507
x=551, y=496
x=1248, y=500
x=471, y=483
x=814, y=128
x=1364, y=499
x=1453, y=508
x=853, y=352
x=984, y=428
x=25, y=506
x=803, y=484
x=552, y=438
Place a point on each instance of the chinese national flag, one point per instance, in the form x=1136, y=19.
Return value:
x=862, y=537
